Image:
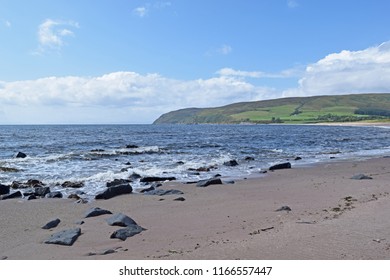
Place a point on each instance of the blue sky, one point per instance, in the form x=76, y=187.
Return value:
x=128, y=61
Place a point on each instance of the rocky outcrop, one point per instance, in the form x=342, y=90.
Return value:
x=11, y=195
x=20, y=155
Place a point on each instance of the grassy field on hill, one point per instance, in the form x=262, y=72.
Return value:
x=298, y=110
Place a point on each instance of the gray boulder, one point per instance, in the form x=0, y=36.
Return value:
x=96, y=211
x=126, y=232
x=114, y=191
x=41, y=191
x=55, y=194
x=117, y=182
x=208, y=182
x=285, y=165
x=52, y=224
x=121, y=220
x=232, y=162
x=65, y=237
x=156, y=179
x=361, y=177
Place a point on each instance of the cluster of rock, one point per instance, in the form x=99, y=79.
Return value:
x=67, y=237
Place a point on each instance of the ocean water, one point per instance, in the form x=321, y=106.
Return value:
x=96, y=154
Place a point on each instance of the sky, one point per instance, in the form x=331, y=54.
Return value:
x=129, y=61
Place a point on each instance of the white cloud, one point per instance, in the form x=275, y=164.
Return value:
x=51, y=34
x=364, y=71
x=108, y=97
x=140, y=11
x=293, y=72
x=225, y=49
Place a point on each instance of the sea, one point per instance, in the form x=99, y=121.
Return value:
x=97, y=154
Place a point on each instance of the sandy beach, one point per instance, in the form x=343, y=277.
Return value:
x=332, y=217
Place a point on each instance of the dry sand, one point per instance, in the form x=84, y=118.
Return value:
x=332, y=217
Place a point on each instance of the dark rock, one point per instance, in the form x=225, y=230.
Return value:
x=74, y=196
x=121, y=220
x=202, y=169
x=41, y=191
x=285, y=165
x=163, y=192
x=73, y=185
x=31, y=197
x=361, y=177
x=284, y=208
x=115, y=191
x=126, y=232
x=147, y=189
x=34, y=183
x=134, y=176
x=96, y=211
x=232, y=162
x=131, y=146
x=65, y=237
x=52, y=224
x=217, y=175
x=249, y=158
x=180, y=199
x=117, y=182
x=20, y=155
x=19, y=185
x=128, y=163
x=208, y=182
x=230, y=182
x=8, y=169
x=180, y=162
x=11, y=195
x=55, y=194
x=298, y=158
x=156, y=179
x=4, y=189
x=97, y=150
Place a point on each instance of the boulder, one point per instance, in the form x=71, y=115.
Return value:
x=163, y=192
x=55, y=194
x=232, y=162
x=156, y=179
x=65, y=237
x=41, y=191
x=285, y=165
x=31, y=197
x=208, y=182
x=96, y=211
x=11, y=195
x=180, y=199
x=73, y=185
x=117, y=182
x=361, y=177
x=20, y=155
x=131, y=146
x=34, y=183
x=121, y=220
x=52, y=224
x=248, y=158
x=298, y=158
x=114, y=191
x=126, y=232
x=134, y=176
x=4, y=189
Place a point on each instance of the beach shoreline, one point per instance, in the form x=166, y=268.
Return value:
x=332, y=217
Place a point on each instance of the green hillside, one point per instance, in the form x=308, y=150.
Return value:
x=298, y=110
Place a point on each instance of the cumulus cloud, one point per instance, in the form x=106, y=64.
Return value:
x=149, y=95
x=363, y=71
x=52, y=33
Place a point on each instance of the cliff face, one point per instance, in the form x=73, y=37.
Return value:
x=335, y=108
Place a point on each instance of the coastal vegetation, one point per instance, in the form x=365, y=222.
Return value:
x=294, y=110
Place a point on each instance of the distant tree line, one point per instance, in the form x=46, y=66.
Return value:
x=373, y=112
